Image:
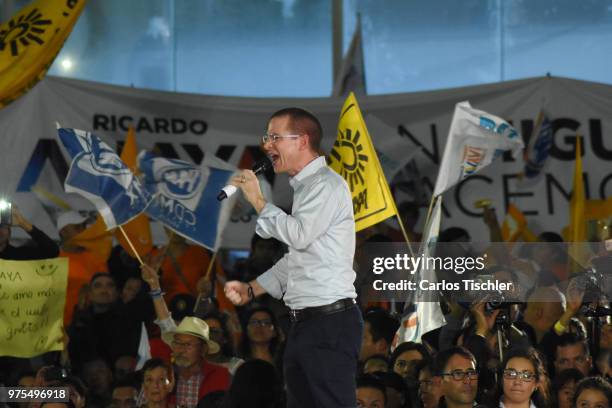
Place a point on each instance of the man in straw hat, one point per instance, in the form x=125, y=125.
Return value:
x=190, y=343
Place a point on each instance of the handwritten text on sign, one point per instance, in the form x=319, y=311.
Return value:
x=32, y=296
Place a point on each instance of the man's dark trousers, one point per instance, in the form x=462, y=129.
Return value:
x=320, y=361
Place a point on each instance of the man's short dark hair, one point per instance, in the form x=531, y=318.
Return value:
x=570, y=339
x=390, y=379
x=371, y=381
x=382, y=325
x=154, y=363
x=409, y=346
x=98, y=275
x=441, y=359
x=303, y=122
x=566, y=376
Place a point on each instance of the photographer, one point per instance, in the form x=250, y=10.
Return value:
x=44, y=247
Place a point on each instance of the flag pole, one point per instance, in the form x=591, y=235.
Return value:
x=431, y=204
x=165, y=251
x=206, y=275
x=404, y=232
x=131, y=245
x=210, y=264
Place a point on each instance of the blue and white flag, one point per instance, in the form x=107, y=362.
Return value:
x=185, y=197
x=475, y=139
x=427, y=315
x=538, y=150
x=98, y=174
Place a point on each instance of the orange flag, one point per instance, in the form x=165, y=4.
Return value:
x=138, y=229
x=96, y=239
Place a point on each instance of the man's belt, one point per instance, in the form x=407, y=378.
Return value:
x=298, y=315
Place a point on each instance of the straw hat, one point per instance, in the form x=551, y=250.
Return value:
x=195, y=327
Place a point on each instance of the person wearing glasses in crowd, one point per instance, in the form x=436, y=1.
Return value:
x=459, y=378
x=430, y=390
x=219, y=332
x=190, y=343
x=261, y=337
x=523, y=381
x=315, y=279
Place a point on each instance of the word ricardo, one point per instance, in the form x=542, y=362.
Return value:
x=425, y=285
x=403, y=262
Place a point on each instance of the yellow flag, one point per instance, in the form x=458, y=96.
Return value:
x=514, y=224
x=138, y=229
x=577, y=235
x=354, y=158
x=32, y=296
x=30, y=41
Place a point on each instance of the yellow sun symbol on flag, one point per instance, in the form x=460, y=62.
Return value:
x=23, y=30
x=349, y=152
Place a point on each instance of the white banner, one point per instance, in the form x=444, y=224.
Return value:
x=186, y=126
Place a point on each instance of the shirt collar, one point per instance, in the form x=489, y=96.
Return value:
x=308, y=170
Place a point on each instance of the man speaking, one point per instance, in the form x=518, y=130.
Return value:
x=315, y=278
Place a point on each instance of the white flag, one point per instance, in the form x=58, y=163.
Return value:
x=427, y=316
x=474, y=140
x=351, y=76
x=144, y=348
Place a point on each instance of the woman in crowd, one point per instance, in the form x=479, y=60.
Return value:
x=523, y=380
x=565, y=387
x=406, y=356
x=261, y=337
x=593, y=392
x=157, y=384
x=217, y=324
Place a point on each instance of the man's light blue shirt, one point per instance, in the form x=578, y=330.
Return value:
x=320, y=233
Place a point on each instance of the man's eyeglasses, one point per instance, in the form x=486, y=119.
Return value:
x=459, y=375
x=512, y=374
x=260, y=323
x=274, y=137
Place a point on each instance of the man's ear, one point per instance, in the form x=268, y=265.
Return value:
x=304, y=142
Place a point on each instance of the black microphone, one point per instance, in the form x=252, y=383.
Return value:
x=258, y=168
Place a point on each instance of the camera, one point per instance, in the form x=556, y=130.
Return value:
x=6, y=217
x=596, y=280
x=496, y=299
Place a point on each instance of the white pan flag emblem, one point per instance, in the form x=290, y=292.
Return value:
x=474, y=140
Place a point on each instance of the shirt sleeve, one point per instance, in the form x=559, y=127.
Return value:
x=166, y=325
x=45, y=247
x=274, y=280
x=311, y=217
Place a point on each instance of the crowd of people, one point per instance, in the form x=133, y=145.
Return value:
x=294, y=323
x=224, y=356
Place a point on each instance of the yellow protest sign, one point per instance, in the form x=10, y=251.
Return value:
x=32, y=296
x=354, y=158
